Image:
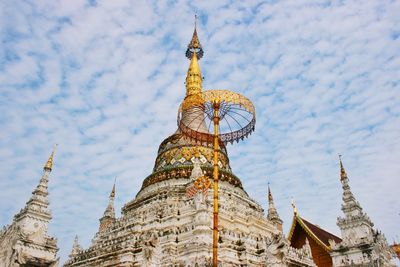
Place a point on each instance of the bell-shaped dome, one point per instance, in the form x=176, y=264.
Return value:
x=177, y=153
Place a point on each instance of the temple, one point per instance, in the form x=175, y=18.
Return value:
x=167, y=225
x=26, y=242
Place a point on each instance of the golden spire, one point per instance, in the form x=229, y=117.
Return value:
x=194, y=45
x=343, y=173
x=194, y=80
x=49, y=163
x=195, y=42
x=193, y=77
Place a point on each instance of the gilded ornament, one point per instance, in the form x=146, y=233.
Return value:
x=194, y=46
x=49, y=164
x=202, y=183
x=229, y=104
x=182, y=154
x=186, y=153
x=196, y=152
x=191, y=101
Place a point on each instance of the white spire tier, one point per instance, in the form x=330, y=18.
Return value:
x=36, y=209
x=354, y=217
x=109, y=214
x=26, y=241
x=273, y=215
x=361, y=244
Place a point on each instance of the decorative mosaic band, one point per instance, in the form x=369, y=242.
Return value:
x=186, y=154
x=185, y=172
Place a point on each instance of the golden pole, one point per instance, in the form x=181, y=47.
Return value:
x=216, y=146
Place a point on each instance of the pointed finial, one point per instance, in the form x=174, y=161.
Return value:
x=343, y=173
x=273, y=215
x=270, y=198
x=109, y=212
x=76, y=248
x=76, y=240
x=193, y=78
x=112, y=194
x=294, y=207
x=194, y=45
x=49, y=163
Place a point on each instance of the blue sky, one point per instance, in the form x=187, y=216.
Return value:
x=104, y=81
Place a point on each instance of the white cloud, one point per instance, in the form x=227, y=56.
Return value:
x=105, y=82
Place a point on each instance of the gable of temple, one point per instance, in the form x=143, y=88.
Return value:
x=318, y=238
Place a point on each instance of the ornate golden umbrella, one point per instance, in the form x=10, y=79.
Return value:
x=233, y=118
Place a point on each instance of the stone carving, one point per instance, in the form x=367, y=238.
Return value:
x=332, y=243
x=277, y=247
x=18, y=256
x=279, y=253
x=150, y=249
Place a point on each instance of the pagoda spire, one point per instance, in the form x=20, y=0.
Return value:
x=194, y=99
x=354, y=215
x=76, y=247
x=358, y=234
x=36, y=208
x=193, y=78
x=273, y=215
x=348, y=197
x=109, y=213
x=110, y=207
x=49, y=164
x=41, y=192
x=194, y=52
x=343, y=174
x=28, y=238
x=194, y=45
x=270, y=198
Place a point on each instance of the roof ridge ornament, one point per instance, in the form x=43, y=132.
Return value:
x=294, y=207
x=194, y=45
